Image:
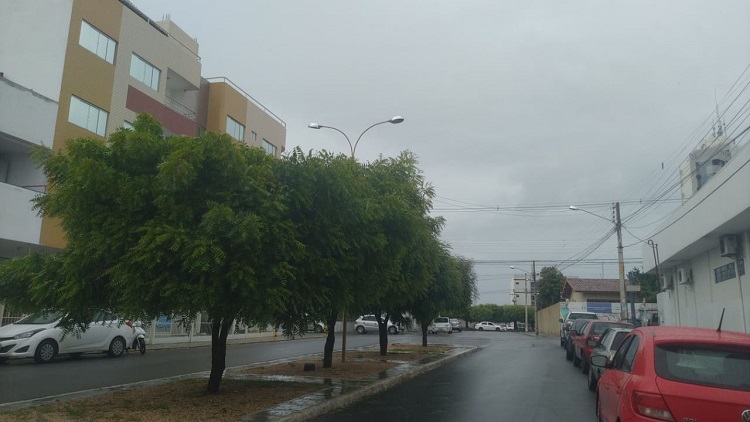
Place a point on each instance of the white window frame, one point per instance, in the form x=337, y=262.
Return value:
x=144, y=71
x=97, y=42
x=88, y=116
x=235, y=129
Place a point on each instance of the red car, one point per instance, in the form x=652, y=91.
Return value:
x=584, y=343
x=666, y=373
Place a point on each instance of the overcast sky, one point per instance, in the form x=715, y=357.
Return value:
x=516, y=109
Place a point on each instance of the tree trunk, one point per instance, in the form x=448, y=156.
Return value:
x=424, y=335
x=383, y=331
x=219, y=334
x=330, y=340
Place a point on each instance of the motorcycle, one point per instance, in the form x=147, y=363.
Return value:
x=139, y=342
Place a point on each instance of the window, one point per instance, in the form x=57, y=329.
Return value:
x=714, y=365
x=269, y=147
x=97, y=42
x=127, y=125
x=144, y=72
x=253, y=136
x=87, y=116
x=235, y=129
x=727, y=272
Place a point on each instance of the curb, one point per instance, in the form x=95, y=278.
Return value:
x=304, y=412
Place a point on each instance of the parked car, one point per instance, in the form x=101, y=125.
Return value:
x=676, y=374
x=575, y=330
x=488, y=326
x=584, y=343
x=367, y=323
x=567, y=323
x=39, y=336
x=607, y=345
x=456, y=324
x=317, y=327
x=440, y=325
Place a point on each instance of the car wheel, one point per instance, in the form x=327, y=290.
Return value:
x=45, y=351
x=116, y=347
x=392, y=330
x=318, y=328
x=576, y=360
x=598, y=409
x=592, y=380
x=360, y=329
x=3, y=360
x=562, y=342
x=584, y=365
x=481, y=329
x=568, y=353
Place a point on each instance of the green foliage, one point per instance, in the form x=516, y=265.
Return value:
x=650, y=285
x=550, y=282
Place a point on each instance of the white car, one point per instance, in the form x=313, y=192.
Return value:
x=39, y=336
x=441, y=325
x=488, y=326
x=367, y=323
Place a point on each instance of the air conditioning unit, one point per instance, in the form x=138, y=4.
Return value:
x=729, y=245
x=684, y=276
x=666, y=282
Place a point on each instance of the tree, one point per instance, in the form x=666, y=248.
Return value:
x=650, y=285
x=453, y=282
x=405, y=267
x=330, y=207
x=159, y=225
x=551, y=282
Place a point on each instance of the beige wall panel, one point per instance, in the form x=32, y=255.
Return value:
x=86, y=76
x=266, y=127
x=140, y=37
x=224, y=100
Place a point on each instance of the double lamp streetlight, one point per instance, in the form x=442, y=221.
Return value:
x=353, y=149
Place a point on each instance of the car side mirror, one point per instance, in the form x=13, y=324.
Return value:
x=600, y=361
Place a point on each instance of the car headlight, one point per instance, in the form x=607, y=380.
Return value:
x=27, y=334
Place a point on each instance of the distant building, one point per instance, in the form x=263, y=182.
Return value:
x=700, y=252
x=85, y=68
x=522, y=291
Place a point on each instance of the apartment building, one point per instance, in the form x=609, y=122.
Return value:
x=85, y=68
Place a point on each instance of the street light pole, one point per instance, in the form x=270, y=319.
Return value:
x=353, y=149
x=525, y=298
x=620, y=259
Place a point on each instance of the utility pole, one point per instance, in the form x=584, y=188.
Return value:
x=535, y=288
x=621, y=264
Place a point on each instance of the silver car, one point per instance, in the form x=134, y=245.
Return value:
x=607, y=345
x=440, y=325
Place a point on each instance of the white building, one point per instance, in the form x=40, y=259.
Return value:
x=701, y=250
x=522, y=288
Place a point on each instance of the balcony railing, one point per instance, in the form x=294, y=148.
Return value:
x=176, y=106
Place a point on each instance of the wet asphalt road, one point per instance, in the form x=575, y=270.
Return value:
x=513, y=377
x=24, y=379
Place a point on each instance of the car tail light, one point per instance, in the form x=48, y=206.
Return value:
x=652, y=406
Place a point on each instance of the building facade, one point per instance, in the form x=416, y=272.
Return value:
x=701, y=250
x=86, y=68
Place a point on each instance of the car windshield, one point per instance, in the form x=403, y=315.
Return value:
x=40, y=318
x=710, y=365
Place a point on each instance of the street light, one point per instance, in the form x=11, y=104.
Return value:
x=353, y=148
x=620, y=260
